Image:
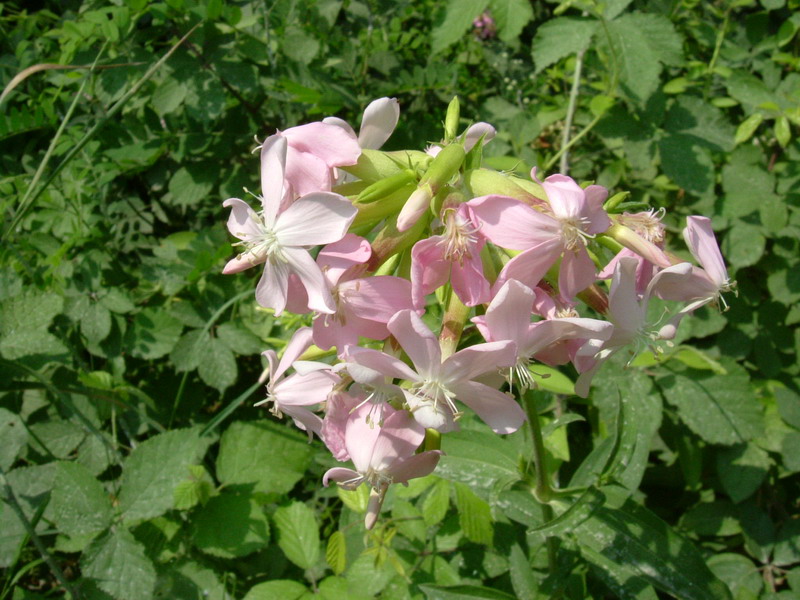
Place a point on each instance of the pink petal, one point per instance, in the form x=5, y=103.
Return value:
x=379, y=120
x=399, y=438
x=337, y=413
x=418, y=342
x=598, y=218
x=301, y=263
x=336, y=258
x=339, y=475
x=416, y=205
x=273, y=167
x=243, y=261
x=439, y=417
x=623, y=301
x=340, y=123
x=305, y=420
x=684, y=288
x=306, y=173
x=576, y=274
x=380, y=362
x=419, y=465
x=531, y=265
x=469, y=283
x=300, y=342
x=304, y=390
x=566, y=197
x=498, y=410
x=377, y=298
x=334, y=145
x=243, y=220
x=511, y=224
x=545, y=333
x=271, y=288
x=509, y=314
x=360, y=438
x=476, y=360
x=474, y=133
x=315, y=219
x=700, y=238
x=429, y=269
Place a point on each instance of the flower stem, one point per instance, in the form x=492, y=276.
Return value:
x=455, y=315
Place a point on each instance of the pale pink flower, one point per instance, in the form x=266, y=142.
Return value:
x=377, y=123
x=280, y=239
x=436, y=384
x=454, y=256
x=575, y=216
x=308, y=386
x=508, y=317
x=382, y=456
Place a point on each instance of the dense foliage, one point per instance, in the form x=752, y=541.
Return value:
x=133, y=464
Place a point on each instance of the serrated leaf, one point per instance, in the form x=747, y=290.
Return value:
x=187, y=353
x=153, y=334
x=24, y=320
x=474, y=515
x=722, y=409
x=707, y=125
x=239, y=340
x=14, y=436
x=336, y=552
x=687, y=163
x=153, y=470
x=194, y=491
x=511, y=17
x=217, y=365
x=742, y=469
x=453, y=22
x=168, y=96
x=436, y=503
x=267, y=454
x=298, y=534
x=633, y=537
x=279, y=589
x=96, y=323
x=495, y=465
x=356, y=500
x=230, y=525
x=55, y=437
x=559, y=38
x=119, y=566
x=637, y=63
x=80, y=505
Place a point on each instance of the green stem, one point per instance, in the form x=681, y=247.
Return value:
x=455, y=315
x=563, y=166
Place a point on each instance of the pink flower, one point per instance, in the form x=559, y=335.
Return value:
x=382, y=456
x=508, y=317
x=454, y=256
x=279, y=239
x=377, y=123
x=436, y=384
x=308, y=386
x=576, y=215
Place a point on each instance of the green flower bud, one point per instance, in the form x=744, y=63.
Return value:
x=386, y=186
x=451, y=120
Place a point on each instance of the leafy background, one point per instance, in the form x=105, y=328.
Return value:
x=133, y=465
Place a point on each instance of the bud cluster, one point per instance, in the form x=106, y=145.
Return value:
x=400, y=231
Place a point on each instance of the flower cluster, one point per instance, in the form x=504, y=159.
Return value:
x=518, y=258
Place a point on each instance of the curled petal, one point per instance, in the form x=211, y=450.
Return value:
x=379, y=120
x=498, y=410
x=418, y=342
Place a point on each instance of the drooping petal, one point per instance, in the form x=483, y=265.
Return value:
x=243, y=222
x=304, y=390
x=530, y=266
x=336, y=258
x=334, y=145
x=273, y=168
x=566, y=197
x=693, y=286
x=498, y=410
x=511, y=224
x=315, y=219
x=473, y=361
x=272, y=287
x=377, y=298
x=429, y=269
x=319, y=296
x=475, y=132
x=576, y=274
x=379, y=362
x=378, y=122
x=469, y=282
x=305, y=420
x=419, y=465
x=623, y=301
x=418, y=342
x=306, y=173
x=703, y=245
x=545, y=333
x=341, y=476
x=399, y=438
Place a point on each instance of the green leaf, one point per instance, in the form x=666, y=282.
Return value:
x=80, y=505
x=230, y=525
x=239, y=340
x=739, y=573
x=436, y=503
x=96, y=322
x=707, y=125
x=189, y=350
x=637, y=63
x=190, y=185
x=474, y=515
x=267, y=454
x=14, y=436
x=742, y=469
x=511, y=17
x=745, y=186
x=722, y=409
x=522, y=578
x=453, y=22
x=495, y=465
x=744, y=245
x=787, y=545
x=188, y=579
x=56, y=437
x=168, y=96
x=153, y=470
x=747, y=128
x=217, y=365
x=24, y=320
x=298, y=534
x=459, y=592
x=748, y=89
x=336, y=552
x=633, y=538
x=299, y=45
x=154, y=333
x=782, y=131
x=561, y=37
x=621, y=578
x=279, y=589
x=687, y=163
x=712, y=518
x=119, y=566
x=196, y=490
x=660, y=35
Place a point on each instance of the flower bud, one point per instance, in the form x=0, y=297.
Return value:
x=386, y=186
x=487, y=182
x=451, y=120
x=443, y=167
x=633, y=241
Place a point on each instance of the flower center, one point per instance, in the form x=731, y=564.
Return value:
x=572, y=232
x=459, y=236
x=646, y=224
x=433, y=391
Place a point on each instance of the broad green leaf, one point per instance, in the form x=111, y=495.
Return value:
x=24, y=320
x=461, y=592
x=230, y=525
x=96, y=322
x=474, y=515
x=722, y=409
x=561, y=37
x=748, y=89
x=195, y=490
x=495, y=465
x=217, y=365
x=633, y=537
x=269, y=455
x=783, y=132
x=788, y=402
x=168, y=96
x=189, y=350
x=511, y=17
x=119, y=566
x=454, y=19
x=712, y=518
x=153, y=470
x=621, y=578
x=739, y=573
x=522, y=578
x=744, y=245
x=687, y=163
x=742, y=469
x=190, y=185
x=551, y=379
x=707, y=125
x=748, y=127
x=79, y=503
x=409, y=521
x=298, y=534
x=336, y=552
x=356, y=500
x=613, y=8
x=188, y=579
x=154, y=333
x=278, y=589
x=55, y=437
x=14, y=436
x=31, y=486
x=745, y=186
x=436, y=503
x=787, y=545
x=299, y=46
x=521, y=506
x=636, y=61
x=660, y=35
x=239, y=340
